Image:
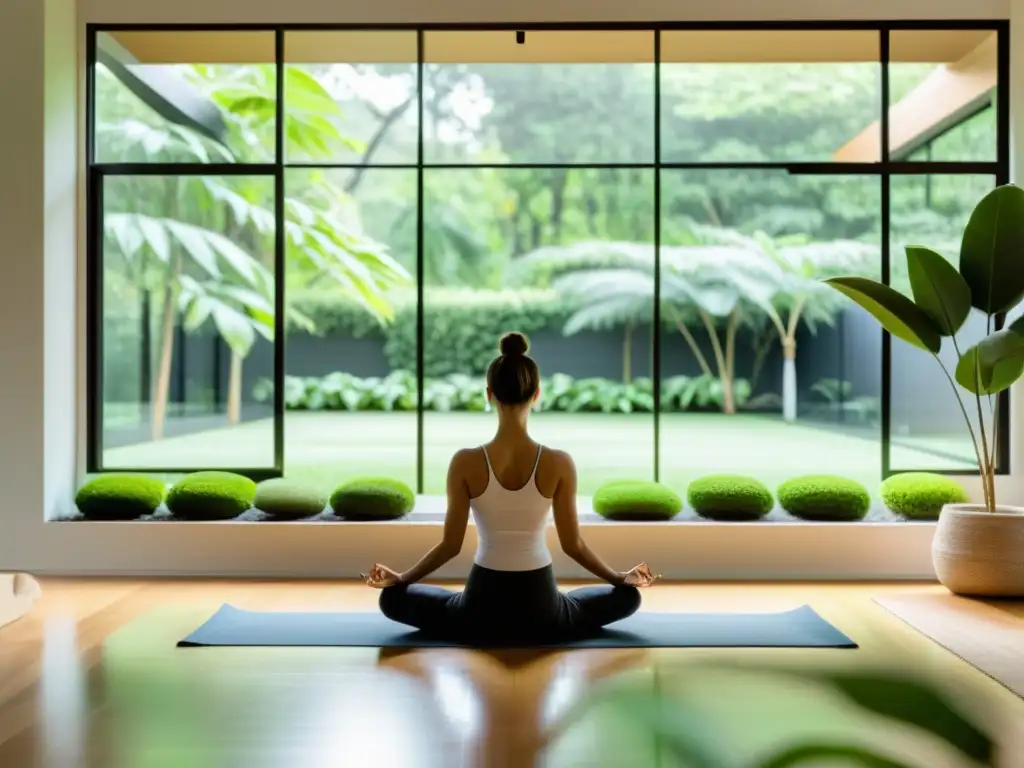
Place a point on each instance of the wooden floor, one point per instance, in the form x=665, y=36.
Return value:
x=83, y=684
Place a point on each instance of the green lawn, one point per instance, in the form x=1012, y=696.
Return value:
x=326, y=448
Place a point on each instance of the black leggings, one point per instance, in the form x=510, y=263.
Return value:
x=508, y=607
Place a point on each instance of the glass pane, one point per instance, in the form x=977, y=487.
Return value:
x=188, y=97
x=351, y=352
x=735, y=242
x=928, y=431
x=942, y=89
x=350, y=97
x=768, y=96
x=559, y=97
x=188, y=322
x=531, y=250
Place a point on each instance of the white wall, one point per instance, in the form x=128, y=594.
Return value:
x=41, y=41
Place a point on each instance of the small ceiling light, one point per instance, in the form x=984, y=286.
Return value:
x=521, y=37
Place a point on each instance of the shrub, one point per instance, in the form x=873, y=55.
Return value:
x=211, y=496
x=684, y=393
x=288, y=499
x=921, y=495
x=372, y=498
x=824, y=497
x=461, y=326
x=120, y=497
x=729, y=497
x=637, y=500
x=459, y=392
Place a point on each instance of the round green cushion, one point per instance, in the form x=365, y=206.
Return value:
x=824, y=498
x=372, y=498
x=211, y=496
x=120, y=497
x=729, y=498
x=288, y=499
x=637, y=500
x=921, y=495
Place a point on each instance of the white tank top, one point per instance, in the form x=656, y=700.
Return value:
x=510, y=525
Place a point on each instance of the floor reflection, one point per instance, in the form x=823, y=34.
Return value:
x=62, y=703
x=509, y=706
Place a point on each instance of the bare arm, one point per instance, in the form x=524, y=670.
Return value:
x=455, y=521
x=568, y=526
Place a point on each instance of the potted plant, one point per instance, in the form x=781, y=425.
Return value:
x=978, y=549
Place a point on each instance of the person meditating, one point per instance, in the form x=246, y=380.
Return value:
x=510, y=485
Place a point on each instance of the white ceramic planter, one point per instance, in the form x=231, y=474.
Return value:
x=980, y=553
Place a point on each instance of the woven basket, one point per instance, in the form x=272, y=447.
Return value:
x=980, y=553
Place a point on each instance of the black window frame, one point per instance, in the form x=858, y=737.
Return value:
x=884, y=169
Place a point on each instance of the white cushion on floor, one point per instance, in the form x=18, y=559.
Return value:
x=18, y=593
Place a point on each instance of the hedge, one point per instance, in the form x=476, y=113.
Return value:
x=729, y=498
x=120, y=497
x=341, y=391
x=824, y=498
x=286, y=499
x=636, y=500
x=460, y=326
x=211, y=495
x=372, y=498
x=921, y=495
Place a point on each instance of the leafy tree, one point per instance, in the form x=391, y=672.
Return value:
x=721, y=287
x=178, y=237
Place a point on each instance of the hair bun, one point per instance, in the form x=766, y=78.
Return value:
x=513, y=344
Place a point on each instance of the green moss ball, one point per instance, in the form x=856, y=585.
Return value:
x=372, y=498
x=211, y=496
x=120, y=497
x=824, y=498
x=729, y=498
x=288, y=500
x=921, y=495
x=637, y=500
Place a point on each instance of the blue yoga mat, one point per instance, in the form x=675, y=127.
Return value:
x=798, y=628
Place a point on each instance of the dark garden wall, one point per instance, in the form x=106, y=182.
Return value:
x=850, y=351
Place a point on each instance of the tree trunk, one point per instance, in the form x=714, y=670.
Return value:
x=724, y=378
x=235, y=389
x=627, y=353
x=761, y=350
x=789, y=393
x=386, y=121
x=693, y=345
x=729, y=373
x=557, y=204
x=789, y=396
x=162, y=386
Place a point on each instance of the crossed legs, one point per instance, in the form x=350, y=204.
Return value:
x=444, y=613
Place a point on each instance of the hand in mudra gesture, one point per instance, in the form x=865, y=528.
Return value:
x=380, y=577
x=640, y=576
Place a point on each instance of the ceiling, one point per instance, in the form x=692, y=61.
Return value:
x=467, y=46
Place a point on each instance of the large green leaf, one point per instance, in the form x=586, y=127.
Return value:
x=815, y=754
x=993, y=364
x=122, y=228
x=897, y=314
x=915, y=704
x=680, y=727
x=234, y=327
x=196, y=243
x=939, y=290
x=992, y=250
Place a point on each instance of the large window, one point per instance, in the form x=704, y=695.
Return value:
x=304, y=244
